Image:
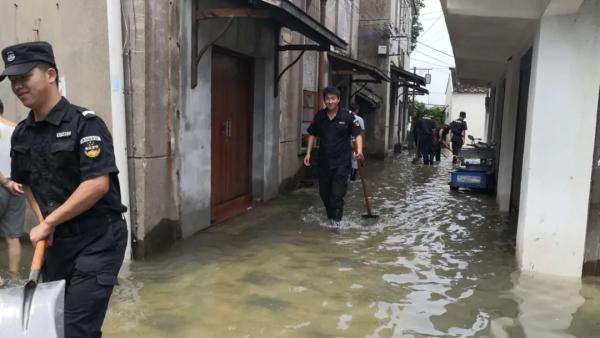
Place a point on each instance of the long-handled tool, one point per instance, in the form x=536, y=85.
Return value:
x=366, y=194
x=36, y=309
x=417, y=151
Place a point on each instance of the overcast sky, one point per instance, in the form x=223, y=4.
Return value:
x=434, y=36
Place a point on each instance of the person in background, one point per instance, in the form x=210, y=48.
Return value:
x=12, y=206
x=354, y=111
x=334, y=127
x=426, y=127
x=459, y=129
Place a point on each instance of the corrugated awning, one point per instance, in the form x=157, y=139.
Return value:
x=289, y=15
x=399, y=74
x=339, y=62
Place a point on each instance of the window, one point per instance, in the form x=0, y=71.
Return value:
x=309, y=108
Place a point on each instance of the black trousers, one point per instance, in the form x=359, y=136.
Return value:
x=437, y=151
x=457, y=144
x=427, y=149
x=333, y=184
x=89, y=261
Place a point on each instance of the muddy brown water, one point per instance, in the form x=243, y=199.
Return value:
x=435, y=264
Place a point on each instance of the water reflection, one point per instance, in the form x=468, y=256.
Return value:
x=435, y=264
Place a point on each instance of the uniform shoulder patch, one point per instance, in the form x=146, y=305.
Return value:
x=92, y=146
x=88, y=114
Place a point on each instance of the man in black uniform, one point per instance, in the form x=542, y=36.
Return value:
x=334, y=127
x=426, y=127
x=63, y=158
x=459, y=129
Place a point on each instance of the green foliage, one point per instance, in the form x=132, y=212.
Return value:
x=438, y=113
x=417, y=27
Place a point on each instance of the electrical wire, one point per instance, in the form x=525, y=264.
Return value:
x=431, y=57
x=430, y=63
x=435, y=49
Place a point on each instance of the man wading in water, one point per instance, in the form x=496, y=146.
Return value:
x=334, y=127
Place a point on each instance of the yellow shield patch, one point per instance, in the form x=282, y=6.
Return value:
x=92, y=151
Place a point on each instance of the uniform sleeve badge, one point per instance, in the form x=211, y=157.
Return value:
x=356, y=123
x=92, y=146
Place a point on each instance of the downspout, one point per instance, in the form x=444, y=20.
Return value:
x=322, y=54
x=117, y=99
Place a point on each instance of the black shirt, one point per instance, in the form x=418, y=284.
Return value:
x=458, y=127
x=426, y=126
x=335, y=148
x=55, y=155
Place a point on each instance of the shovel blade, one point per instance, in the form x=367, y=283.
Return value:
x=46, y=315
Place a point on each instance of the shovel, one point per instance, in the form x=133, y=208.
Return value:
x=36, y=309
x=366, y=194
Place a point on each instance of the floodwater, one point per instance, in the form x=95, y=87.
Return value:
x=435, y=264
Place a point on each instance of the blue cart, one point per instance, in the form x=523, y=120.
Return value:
x=476, y=169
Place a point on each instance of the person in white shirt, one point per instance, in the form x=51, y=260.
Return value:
x=354, y=111
x=12, y=207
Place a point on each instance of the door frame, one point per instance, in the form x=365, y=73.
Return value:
x=232, y=207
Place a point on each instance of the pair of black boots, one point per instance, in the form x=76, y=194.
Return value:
x=335, y=214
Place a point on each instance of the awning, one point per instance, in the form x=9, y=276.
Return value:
x=368, y=104
x=289, y=15
x=282, y=12
x=399, y=74
x=339, y=62
x=418, y=89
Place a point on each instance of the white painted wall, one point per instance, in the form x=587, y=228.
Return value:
x=556, y=170
x=474, y=106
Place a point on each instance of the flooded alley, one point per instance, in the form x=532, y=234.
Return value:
x=436, y=264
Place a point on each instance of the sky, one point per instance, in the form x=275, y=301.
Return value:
x=434, y=36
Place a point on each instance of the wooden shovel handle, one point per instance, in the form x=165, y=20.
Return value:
x=38, y=255
x=40, y=246
x=364, y=186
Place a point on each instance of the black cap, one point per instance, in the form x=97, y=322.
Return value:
x=20, y=59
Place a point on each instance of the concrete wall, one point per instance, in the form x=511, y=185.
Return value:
x=474, y=106
x=563, y=102
x=380, y=21
x=375, y=15
x=151, y=32
x=254, y=38
x=78, y=32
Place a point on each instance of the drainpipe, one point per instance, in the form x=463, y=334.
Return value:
x=322, y=54
x=117, y=99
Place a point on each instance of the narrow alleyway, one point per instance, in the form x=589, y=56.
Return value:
x=436, y=264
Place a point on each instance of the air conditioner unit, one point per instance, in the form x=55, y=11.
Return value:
x=382, y=50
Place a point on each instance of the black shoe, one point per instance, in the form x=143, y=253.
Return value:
x=337, y=215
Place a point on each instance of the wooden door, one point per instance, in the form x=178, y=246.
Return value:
x=231, y=154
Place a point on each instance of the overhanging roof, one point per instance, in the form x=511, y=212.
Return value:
x=416, y=88
x=341, y=62
x=465, y=88
x=289, y=15
x=399, y=74
x=486, y=33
